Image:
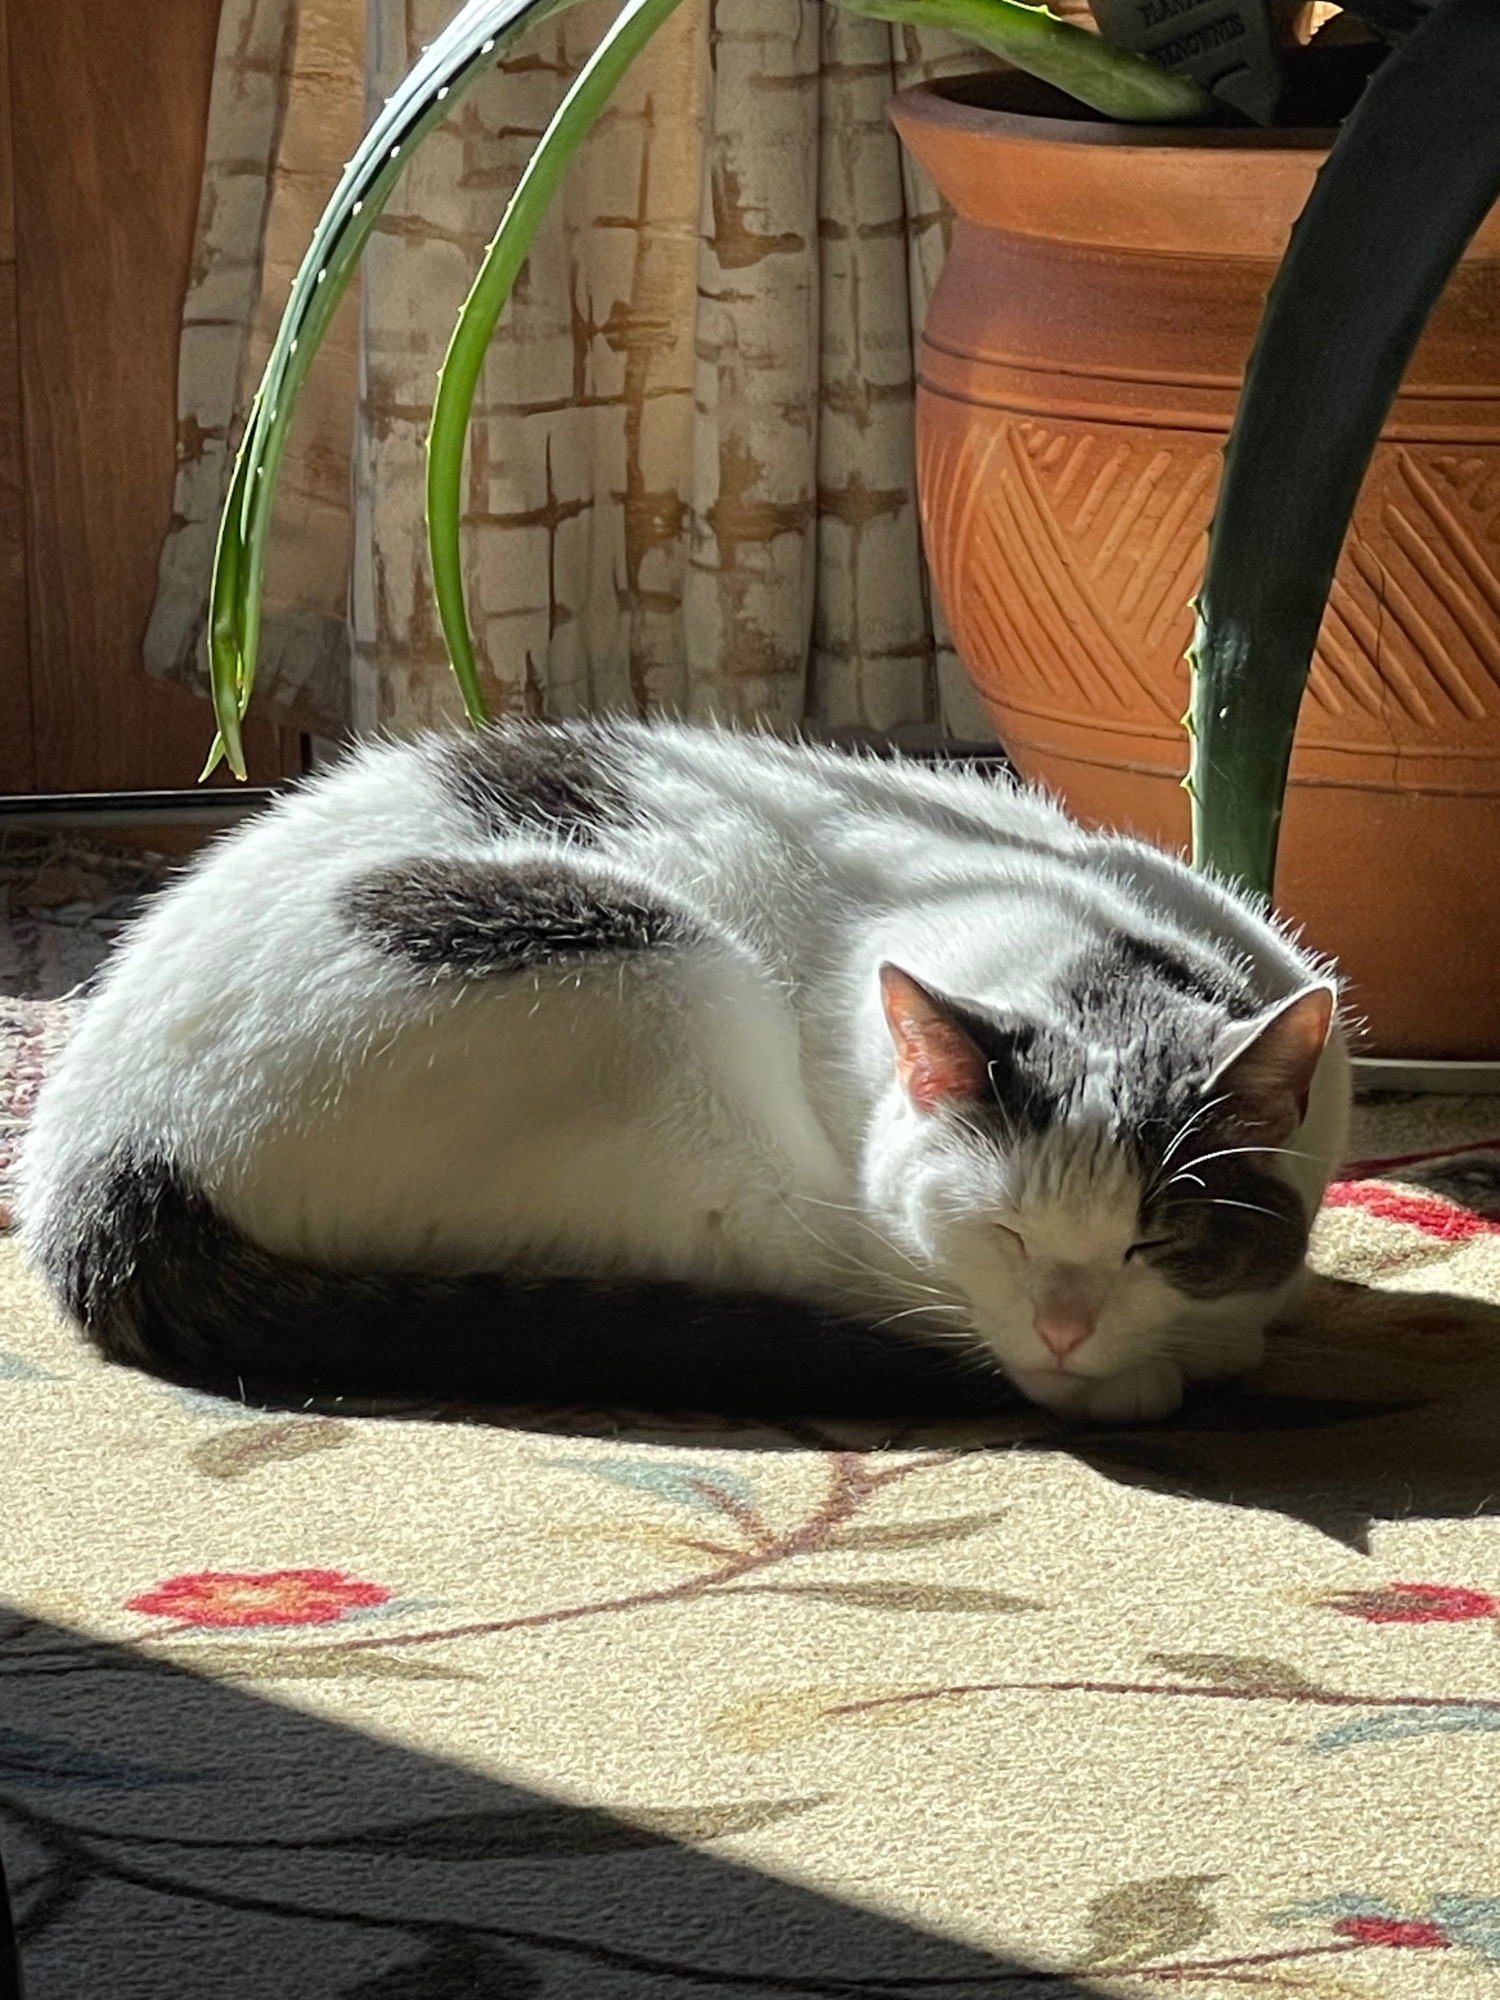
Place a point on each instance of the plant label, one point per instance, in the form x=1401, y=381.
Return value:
x=1229, y=46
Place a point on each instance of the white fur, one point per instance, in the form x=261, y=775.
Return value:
x=729, y=1114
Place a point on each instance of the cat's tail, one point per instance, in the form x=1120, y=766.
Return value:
x=161, y=1281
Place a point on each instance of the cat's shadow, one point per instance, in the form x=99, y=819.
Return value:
x=1375, y=1405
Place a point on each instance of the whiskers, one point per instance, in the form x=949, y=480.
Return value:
x=1227, y=1201
x=880, y=1283
x=1191, y=1125
x=1188, y=1173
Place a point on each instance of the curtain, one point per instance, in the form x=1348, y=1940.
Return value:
x=689, y=483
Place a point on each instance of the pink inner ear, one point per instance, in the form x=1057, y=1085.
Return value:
x=935, y=1060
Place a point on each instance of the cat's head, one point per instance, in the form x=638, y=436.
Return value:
x=1110, y=1187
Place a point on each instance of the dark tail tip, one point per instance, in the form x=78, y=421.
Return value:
x=162, y=1282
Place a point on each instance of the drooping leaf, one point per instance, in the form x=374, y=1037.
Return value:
x=913, y=1534
x=468, y=47
x=756, y=1723
x=902, y=1596
x=1115, y=81
x=458, y=378
x=1408, y=181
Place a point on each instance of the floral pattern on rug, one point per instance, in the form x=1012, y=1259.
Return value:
x=428, y=1701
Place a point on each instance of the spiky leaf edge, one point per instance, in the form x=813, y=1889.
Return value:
x=471, y=44
x=458, y=377
x=1407, y=182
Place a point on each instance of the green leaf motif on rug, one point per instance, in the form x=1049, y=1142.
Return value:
x=1155, y=1918
x=897, y=1596
x=914, y=1534
x=1253, y=1672
x=233, y=1454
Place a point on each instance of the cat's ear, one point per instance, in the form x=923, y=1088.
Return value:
x=1268, y=1078
x=936, y=1061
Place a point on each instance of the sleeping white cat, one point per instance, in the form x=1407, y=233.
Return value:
x=578, y=1060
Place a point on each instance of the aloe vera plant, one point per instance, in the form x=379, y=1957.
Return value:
x=1412, y=175
x=466, y=49
x=1409, y=179
x=1122, y=85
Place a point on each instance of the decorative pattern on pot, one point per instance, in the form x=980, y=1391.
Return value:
x=1080, y=366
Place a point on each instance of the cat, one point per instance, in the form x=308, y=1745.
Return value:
x=588, y=1060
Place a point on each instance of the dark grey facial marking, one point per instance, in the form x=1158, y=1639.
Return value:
x=1228, y=1225
x=1120, y=980
x=1032, y=1073
x=466, y=919
x=543, y=777
x=1227, y=1221
x=1220, y=1219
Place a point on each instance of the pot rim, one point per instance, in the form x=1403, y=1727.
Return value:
x=935, y=103
x=1096, y=185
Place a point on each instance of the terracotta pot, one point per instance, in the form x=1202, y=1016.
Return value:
x=1080, y=366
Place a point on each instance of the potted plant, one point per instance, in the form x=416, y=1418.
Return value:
x=1081, y=367
x=1408, y=181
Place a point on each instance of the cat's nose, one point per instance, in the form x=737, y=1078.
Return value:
x=1063, y=1331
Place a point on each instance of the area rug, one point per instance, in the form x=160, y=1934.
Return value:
x=64, y=899
x=447, y=1703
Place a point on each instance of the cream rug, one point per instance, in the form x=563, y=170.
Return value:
x=597, y=1705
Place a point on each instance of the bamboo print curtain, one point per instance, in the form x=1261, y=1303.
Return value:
x=689, y=484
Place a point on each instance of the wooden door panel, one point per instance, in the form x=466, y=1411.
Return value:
x=109, y=106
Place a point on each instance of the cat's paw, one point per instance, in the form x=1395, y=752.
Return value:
x=1136, y=1395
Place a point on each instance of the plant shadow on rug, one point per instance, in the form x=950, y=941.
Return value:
x=168, y=1834
x=595, y=1704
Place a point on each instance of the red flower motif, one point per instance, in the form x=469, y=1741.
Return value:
x=1414, y=1604
x=1400, y=1933
x=259, y=1597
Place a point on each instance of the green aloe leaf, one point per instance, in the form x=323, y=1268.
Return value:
x=469, y=46
x=1115, y=81
x=1408, y=181
x=458, y=379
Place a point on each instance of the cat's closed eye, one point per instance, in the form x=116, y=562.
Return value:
x=1015, y=1236
x=1150, y=1243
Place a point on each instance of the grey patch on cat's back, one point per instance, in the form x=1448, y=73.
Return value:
x=467, y=919
x=537, y=777
x=1112, y=983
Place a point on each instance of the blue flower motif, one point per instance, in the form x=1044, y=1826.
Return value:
x=46, y=1764
x=1394, y=1725
x=683, y=1485
x=16, y=1368
x=1471, y=1920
